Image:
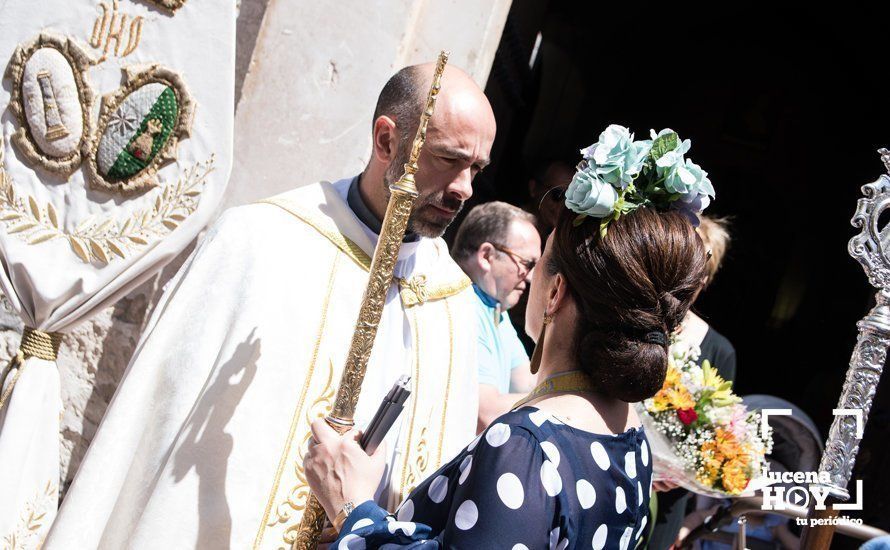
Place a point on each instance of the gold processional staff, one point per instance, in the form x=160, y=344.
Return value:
x=401, y=201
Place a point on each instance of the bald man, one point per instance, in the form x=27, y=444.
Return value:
x=202, y=445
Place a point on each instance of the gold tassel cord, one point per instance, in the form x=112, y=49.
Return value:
x=35, y=343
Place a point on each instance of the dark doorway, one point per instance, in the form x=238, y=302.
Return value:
x=785, y=108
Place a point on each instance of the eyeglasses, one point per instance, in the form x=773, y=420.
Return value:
x=556, y=194
x=521, y=262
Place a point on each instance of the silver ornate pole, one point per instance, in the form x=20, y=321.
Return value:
x=867, y=361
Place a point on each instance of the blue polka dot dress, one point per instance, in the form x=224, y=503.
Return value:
x=528, y=482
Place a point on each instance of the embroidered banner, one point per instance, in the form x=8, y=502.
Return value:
x=115, y=150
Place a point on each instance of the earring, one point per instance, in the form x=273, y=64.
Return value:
x=535, y=362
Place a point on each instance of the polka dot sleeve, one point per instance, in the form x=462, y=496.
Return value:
x=502, y=493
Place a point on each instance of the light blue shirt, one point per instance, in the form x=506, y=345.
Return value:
x=499, y=349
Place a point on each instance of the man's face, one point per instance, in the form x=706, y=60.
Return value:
x=510, y=263
x=457, y=147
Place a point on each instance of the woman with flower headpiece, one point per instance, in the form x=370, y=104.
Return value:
x=570, y=465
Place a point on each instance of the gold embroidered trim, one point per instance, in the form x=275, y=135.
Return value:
x=137, y=77
x=320, y=224
x=448, y=381
x=408, y=475
x=26, y=534
x=299, y=495
x=102, y=239
x=415, y=291
x=296, y=417
x=79, y=61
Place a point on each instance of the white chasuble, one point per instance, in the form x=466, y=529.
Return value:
x=202, y=445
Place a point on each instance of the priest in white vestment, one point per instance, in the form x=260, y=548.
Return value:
x=202, y=445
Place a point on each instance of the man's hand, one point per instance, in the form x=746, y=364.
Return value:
x=338, y=469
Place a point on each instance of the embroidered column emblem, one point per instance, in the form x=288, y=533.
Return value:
x=55, y=129
x=52, y=99
x=140, y=125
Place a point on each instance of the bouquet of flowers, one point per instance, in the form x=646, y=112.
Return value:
x=703, y=438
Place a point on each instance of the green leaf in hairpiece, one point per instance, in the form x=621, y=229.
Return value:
x=664, y=144
x=604, y=226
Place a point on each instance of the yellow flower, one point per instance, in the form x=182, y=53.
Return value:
x=712, y=459
x=667, y=398
x=672, y=378
x=680, y=398
x=705, y=479
x=660, y=402
x=722, y=395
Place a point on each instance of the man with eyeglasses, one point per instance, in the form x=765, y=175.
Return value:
x=498, y=246
x=547, y=191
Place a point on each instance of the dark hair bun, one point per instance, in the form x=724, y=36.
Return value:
x=635, y=283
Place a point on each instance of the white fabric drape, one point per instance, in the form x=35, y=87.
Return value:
x=47, y=283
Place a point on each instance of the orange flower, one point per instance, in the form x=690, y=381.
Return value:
x=735, y=476
x=727, y=444
x=712, y=459
x=671, y=392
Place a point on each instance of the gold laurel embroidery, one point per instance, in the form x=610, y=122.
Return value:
x=111, y=26
x=295, y=421
x=102, y=239
x=296, y=500
x=27, y=533
x=416, y=468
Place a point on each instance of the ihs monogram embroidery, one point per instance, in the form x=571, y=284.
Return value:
x=111, y=27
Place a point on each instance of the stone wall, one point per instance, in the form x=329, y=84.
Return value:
x=307, y=103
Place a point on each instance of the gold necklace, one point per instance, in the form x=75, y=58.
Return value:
x=574, y=380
